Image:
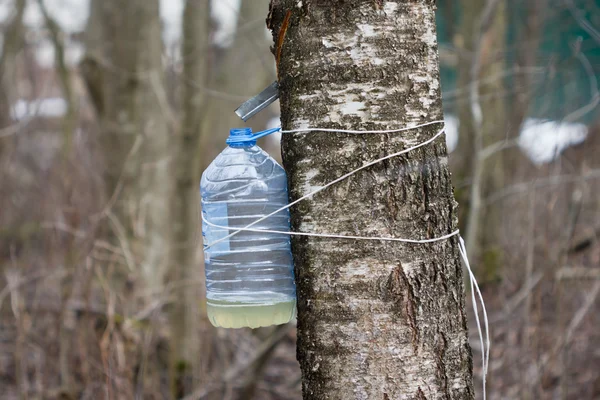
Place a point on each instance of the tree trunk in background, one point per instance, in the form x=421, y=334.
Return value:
x=12, y=42
x=468, y=30
x=482, y=75
x=245, y=69
x=124, y=74
x=376, y=320
x=186, y=318
x=495, y=124
x=530, y=24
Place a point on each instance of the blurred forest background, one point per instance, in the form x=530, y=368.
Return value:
x=111, y=109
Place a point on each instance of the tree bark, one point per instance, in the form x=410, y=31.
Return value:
x=376, y=320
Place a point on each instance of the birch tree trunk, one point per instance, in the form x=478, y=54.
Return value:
x=376, y=320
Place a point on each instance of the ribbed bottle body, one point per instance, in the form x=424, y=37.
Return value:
x=249, y=276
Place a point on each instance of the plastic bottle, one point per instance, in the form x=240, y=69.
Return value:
x=249, y=276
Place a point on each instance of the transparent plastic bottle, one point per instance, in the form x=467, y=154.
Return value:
x=249, y=276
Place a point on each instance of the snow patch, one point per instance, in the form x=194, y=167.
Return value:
x=71, y=15
x=6, y=9
x=171, y=14
x=541, y=140
x=225, y=14
x=52, y=107
x=544, y=140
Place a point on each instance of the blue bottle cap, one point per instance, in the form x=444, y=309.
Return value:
x=243, y=137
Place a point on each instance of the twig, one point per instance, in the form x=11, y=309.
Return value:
x=122, y=237
x=577, y=273
x=7, y=290
x=119, y=186
x=518, y=298
x=583, y=23
x=497, y=147
x=526, y=187
x=161, y=96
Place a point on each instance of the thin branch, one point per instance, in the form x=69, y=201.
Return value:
x=526, y=187
x=584, y=23
x=577, y=273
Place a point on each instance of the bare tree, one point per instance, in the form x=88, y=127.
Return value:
x=375, y=320
x=185, y=270
x=124, y=74
x=482, y=126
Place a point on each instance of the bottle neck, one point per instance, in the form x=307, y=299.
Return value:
x=241, y=145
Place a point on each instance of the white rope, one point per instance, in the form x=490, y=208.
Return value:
x=485, y=346
x=440, y=121
x=334, y=236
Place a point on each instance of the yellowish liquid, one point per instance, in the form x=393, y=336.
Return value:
x=239, y=315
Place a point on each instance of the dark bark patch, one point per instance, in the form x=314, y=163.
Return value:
x=400, y=293
x=420, y=395
x=441, y=347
